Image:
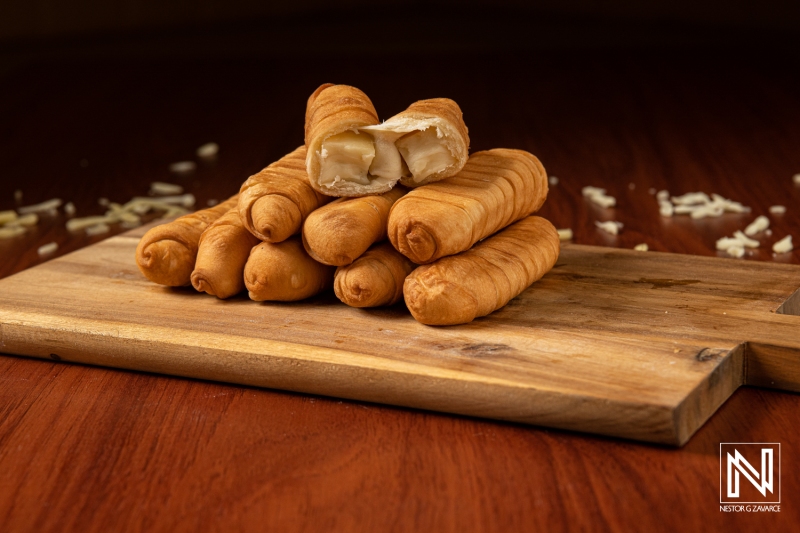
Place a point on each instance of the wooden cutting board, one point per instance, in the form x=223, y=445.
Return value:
x=640, y=345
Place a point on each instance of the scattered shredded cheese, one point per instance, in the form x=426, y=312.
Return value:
x=553, y=180
x=183, y=167
x=598, y=196
x=691, y=198
x=48, y=205
x=759, y=224
x=7, y=232
x=77, y=224
x=48, y=248
x=745, y=240
x=641, y=247
x=31, y=219
x=565, y=234
x=7, y=216
x=610, y=226
x=159, y=188
x=662, y=196
x=185, y=200
x=783, y=246
x=665, y=209
x=796, y=179
x=736, y=251
x=778, y=209
x=97, y=229
x=69, y=209
x=208, y=151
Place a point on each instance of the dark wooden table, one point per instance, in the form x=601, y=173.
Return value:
x=93, y=449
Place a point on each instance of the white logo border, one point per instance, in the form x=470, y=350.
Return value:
x=779, y=474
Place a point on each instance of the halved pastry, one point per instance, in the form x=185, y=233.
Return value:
x=350, y=154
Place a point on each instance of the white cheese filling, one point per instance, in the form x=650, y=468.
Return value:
x=425, y=152
x=346, y=157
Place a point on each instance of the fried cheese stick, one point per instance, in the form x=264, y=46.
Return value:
x=166, y=254
x=459, y=288
x=425, y=143
x=495, y=188
x=374, y=279
x=339, y=156
x=338, y=233
x=284, y=272
x=222, y=253
x=274, y=203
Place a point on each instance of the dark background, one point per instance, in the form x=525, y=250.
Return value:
x=250, y=27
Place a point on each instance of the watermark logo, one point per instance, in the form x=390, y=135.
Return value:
x=750, y=476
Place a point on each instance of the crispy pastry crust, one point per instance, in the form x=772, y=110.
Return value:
x=495, y=188
x=334, y=109
x=274, y=203
x=460, y=288
x=284, y=272
x=446, y=116
x=341, y=231
x=222, y=253
x=166, y=254
x=374, y=279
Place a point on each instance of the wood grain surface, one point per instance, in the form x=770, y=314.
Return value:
x=622, y=343
x=92, y=449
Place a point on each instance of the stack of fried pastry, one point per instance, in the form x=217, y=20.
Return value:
x=462, y=241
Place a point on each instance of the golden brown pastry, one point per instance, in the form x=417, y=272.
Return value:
x=339, y=156
x=425, y=143
x=495, y=188
x=166, y=254
x=350, y=154
x=460, y=288
x=341, y=231
x=284, y=272
x=222, y=253
x=374, y=279
x=274, y=203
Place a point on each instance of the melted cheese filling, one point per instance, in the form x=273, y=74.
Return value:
x=425, y=153
x=346, y=157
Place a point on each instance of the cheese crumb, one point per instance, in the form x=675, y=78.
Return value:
x=159, y=188
x=7, y=216
x=783, y=246
x=97, y=229
x=565, y=234
x=183, y=167
x=778, y=209
x=736, y=251
x=796, y=179
x=41, y=207
x=553, y=180
x=610, y=226
x=208, y=151
x=759, y=224
x=745, y=240
x=8, y=232
x=598, y=196
x=47, y=249
x=641, y=247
